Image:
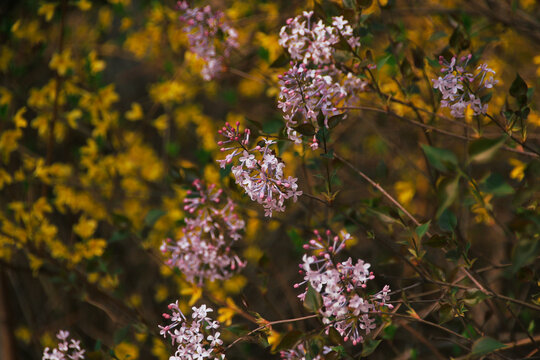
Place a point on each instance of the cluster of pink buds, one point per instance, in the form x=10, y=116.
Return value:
x=310, y=93
x=210, y=37
x=342, y=285
x=204, y=251
x=301, y=353
x=67, y=349
x=460, y=89
x=257, y=170
x=195, y=339
x=312, y=41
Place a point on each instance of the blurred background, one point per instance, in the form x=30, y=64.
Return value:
x=105, y=121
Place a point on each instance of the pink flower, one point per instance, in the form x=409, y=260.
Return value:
x=258, y=170
x=193, y=340
x=346, y=305
x=66, y=349
x=458, y=94
x=205, y=31
x=205, y=249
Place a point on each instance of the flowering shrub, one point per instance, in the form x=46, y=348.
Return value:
x=223, y=132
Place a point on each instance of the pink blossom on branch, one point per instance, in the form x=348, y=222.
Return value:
x=459, y=88
x=67, y=349
x=312, y=42
x=197, y=338
x=204, y=251
x=346, y=306
x=257, y=170
x=210, y=37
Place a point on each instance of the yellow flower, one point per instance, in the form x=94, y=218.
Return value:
x=161, y=123
x=84, y=5
x=5, y=57
x=159, y=350
x=23, y=334
x=405, y=191
x=72, y=117
x=235, y=284
x=85, y=228
x=126, y=351
x=194, y=291
x=62, y=62
x=47, y=10
x=135, y=113
x=19, y=120
x=274, y=338
x=518, y=172
x=5, y=178
x=9, y=142
x=95, y=64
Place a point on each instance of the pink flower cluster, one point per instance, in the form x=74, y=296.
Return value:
x=67, y=349
x=312, y=41
x=300, y=353
x=309, y=92
x=345, y=304
x=204, y=250
x=257, y=170
x=211, y=38
x=315, y=88
x=197, y=339
x=460, y=89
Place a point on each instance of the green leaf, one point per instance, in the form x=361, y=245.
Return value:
x=436, y=241
x=305, y=129
x=518, y=87
x=441, y=159
x=369, y=347
x=152, y=216
x=313, y=300
x=289, y=340
x=486, y=345
x=524, y=253
x=483, y=150
x=333, y=121
x=329, y=155
x=447, y=221
x=422, y=229
x=447, y=193
x=496, y=185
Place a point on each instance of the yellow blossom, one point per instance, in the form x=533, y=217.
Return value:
x=161, y=123
x=47, y=10
x=84, y=5
x=405, y=191
x=518, y=172
x=85, y=228
x=135, y=113
x=23, y=334
x=62, y=62
x=6, y=54
x=19, y=120
x=72, y=117
x=96, y=65
x=126, y=351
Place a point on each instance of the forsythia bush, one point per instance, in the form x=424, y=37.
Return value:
x=269, y=179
